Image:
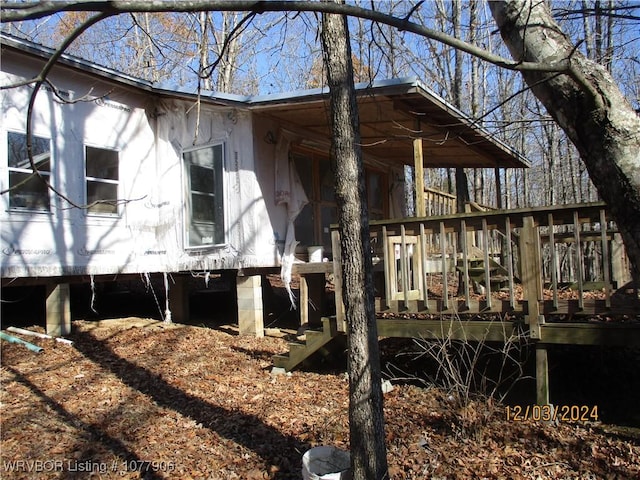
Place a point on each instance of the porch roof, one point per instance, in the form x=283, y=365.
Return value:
x=392, y=114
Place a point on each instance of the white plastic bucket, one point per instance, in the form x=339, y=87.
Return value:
x=326, y=463
x=315, y=253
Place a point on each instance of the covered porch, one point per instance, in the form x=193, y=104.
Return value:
x=553, y=275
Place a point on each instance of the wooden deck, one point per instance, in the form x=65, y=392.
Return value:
x=494, y=262
x=445, y=276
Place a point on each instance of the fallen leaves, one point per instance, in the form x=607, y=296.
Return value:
x=201, y=403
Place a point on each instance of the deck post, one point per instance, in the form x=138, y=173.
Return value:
x=542, y=375
x=311, y=298
x=620, y=268
x=579, y=259
x=304, y=301
x=487, y=267
x=58, y=309
x=179, y=299
x=250, y=309
x=337, y=280
x=605, y=258
x=509, y=258
x=554, y=261
x=418, y=161
x=531, y=274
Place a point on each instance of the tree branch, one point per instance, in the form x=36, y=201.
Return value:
x=38, y=82
x=31, y=10
x=237, y=29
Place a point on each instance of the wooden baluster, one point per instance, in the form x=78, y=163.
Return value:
x=487, y=266
x=554, y=259
x=387, y=258
x=445, y=281
x=337, y=278
x=404, y=267
x=465, y=264
x=509, y=259
x=605, y=258
x=579, y=259
x=424, y=294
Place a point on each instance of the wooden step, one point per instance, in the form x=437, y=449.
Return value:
x=477, y=271
x=314, y=341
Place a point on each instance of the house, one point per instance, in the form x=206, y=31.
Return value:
x=157, y=180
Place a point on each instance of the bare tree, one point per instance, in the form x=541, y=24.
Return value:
x=580, y=95
x=366, y=418
x=587, y=105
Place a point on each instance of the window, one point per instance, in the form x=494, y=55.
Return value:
x=376, y=194
x=205, y=209
x=102, y=174
x=28, y=192
x=315, y=172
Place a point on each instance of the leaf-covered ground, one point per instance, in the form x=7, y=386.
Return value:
x=144, y=399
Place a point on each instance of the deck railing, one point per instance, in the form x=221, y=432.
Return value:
x=502, y=261
x=438, y=202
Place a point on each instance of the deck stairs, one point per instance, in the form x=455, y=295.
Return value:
x=498, y=275
x=314, y=341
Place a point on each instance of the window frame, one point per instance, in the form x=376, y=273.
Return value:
x=107, y=181
x=29, y=171
x=319, y=201
x=187, y=196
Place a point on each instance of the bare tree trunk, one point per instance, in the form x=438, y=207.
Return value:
x=366, y=418
x=203, y=20
x=587, y=105
x=227, y=49
x=586, y=26
x=608, y=56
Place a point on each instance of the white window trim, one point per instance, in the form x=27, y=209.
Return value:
x=119, y=209
x=9, y=169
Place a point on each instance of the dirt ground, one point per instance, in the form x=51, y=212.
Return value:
x=139, y=398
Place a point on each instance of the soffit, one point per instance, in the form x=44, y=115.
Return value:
x=390, y=120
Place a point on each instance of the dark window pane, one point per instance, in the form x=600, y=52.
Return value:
x=210, y=157
x=304, y=167
x=202, y=179
x=304, y=228
x=17, y=151
x=33, y=194
x=99, y=191
x=202, y=208
x=102, y=163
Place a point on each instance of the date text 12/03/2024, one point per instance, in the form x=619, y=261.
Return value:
x=552, y=413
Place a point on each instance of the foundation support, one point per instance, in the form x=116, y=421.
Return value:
x=179, y=299
x=621, y=272
x=250, y=309
x=542, y=375
x=311, y=299
x=531, y=275
x=58, y=309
